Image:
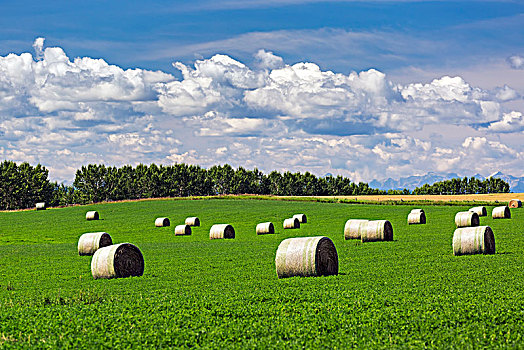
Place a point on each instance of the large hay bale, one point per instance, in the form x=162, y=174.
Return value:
x=353, y=227
x=416, y=217
x=306, y=256
x=40, y=206
x=221, y=231
x=301, y=218
x=378, y=230
x=192, y=221
x=182, y=230
x=92, y=215
x=481, y=211
x=291, y=223
x=265, y=228
x=116, y=261
x=162, y=222
x=515, y=203
x=502, y=212
x=90, y=242
x=466, y=219
x=473, y=240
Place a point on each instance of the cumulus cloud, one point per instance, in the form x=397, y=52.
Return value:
x=516, y=62
x=66, y=112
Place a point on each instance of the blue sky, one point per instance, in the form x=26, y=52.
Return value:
x=342, y=87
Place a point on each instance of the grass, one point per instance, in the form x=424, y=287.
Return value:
x=197, y=292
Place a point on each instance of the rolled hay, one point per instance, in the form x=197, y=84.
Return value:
x=481, y=211
x=301, y=218
x=40, y=206
x=182, y=230
x=117, y=261
x=291, y=223
x=92, y=215
x=265, y=228
x=162, y=222
x=378, y=230
x=90, y=242
x=466, y=219
x=306, y=256
x=417, y=211
x=515, y=203
x=353, y=228
x=416, y=217
x=473, y=240
x=221, y=231
x=502, y=212
x=192, y=221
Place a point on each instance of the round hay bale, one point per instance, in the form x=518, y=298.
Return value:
x=515, y=203
x=265, y=228
x=40, y=206
x=466, y=219
x=90, y=242
x=116, y=261
x=221, y=231
x=417, y=211
x=291, y=223
x=182, y=230
x=353, y=227
x=301, y=218
x=416, y=217
x=473, y=240
x=92, y=215
x=481, y=211
x=378, y=230
x=306, y=256
x=192, y=221
x=162, y=222
x=502, y=212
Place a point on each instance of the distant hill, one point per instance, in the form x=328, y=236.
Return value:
x=411, y=182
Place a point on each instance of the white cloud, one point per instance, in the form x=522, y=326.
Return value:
x=511, y=122
x=516, y=62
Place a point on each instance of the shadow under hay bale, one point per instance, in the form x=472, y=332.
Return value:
x=473, y=240
x=306, y=256
x=192, y=221
x=291, y=223
x=117, y=261
x=481, y=211
x=301, y=218
x=162, y=222
x=353, y=228
x=92, y=215
x=90, y=242
x=378, y=230
x=265, y=228
x=182, y=230
x=502, y=212
x=467, y=219
x=222, y=231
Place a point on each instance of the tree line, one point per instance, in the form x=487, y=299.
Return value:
x=21, y=186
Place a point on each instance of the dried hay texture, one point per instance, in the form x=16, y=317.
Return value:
x=353, y=228
x=306, y=256
x=301, y=218
x=502, y=212
x=481, y=211
x=379, y=230
x=92, y=215
x=182, y=230
x=515, y=203
x=417, y=217
x=265, y=228
x=221, y=231
x=162, y=222
x=291, y=223
x=466, y=219
x=90, y=242
x=192, y=221
x=40, y=206
x=116, y=261
x=473, y=240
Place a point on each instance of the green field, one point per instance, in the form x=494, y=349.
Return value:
x=195, y=292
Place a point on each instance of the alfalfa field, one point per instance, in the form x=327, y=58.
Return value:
x=197, y=292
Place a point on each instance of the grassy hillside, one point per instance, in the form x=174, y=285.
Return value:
x=225, y=293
